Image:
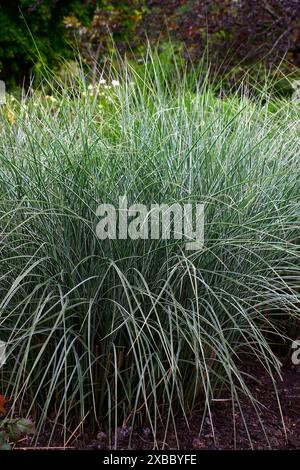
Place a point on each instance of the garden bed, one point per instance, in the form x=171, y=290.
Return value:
x=222, y=438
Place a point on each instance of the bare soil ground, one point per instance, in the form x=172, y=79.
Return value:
x=237, y=428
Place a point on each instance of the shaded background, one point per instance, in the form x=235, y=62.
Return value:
x=233, y=34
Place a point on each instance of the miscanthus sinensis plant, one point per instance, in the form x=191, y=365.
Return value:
x=105, y=333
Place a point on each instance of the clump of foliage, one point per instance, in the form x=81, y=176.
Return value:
x=11, y=429
x=235, y=34
x=110, y=332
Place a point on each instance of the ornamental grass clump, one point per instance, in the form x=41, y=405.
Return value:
x=104, y=333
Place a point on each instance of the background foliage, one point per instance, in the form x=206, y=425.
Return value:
x=32, y=32
x=110, y=333
x=236, y=33
x=234, y=30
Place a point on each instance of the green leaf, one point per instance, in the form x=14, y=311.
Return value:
x=21, y=426
x=4, y=445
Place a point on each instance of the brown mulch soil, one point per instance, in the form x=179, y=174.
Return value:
x=229, y=430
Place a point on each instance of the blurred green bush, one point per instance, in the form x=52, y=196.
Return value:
x=235, y=35
x=32, y=34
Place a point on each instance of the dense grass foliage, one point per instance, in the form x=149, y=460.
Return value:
x=115, y=332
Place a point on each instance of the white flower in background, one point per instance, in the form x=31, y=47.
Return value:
x=90, y=87
x=115, y=83
x=102, y=81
